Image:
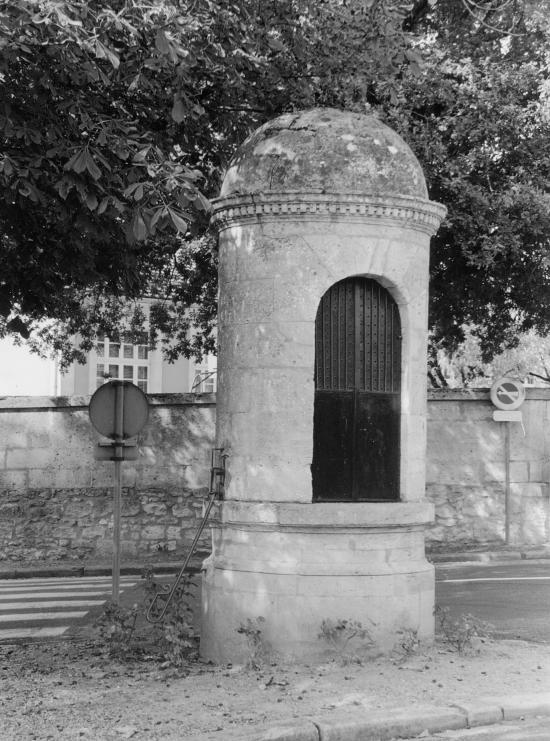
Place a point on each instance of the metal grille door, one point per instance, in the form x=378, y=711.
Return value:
x=357, y=393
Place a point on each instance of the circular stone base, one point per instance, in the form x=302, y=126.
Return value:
x=297, y=565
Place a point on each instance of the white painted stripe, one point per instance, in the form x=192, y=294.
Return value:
x=493, y=578
x=27, y=616
x=9, y=633
x=92, y=580
x=49, y=604
x=6, y=593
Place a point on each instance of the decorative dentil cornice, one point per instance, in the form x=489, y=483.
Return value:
x=242, y=209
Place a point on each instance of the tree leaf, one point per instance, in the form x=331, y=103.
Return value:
x=179, y=222
x=178, y=110
x=139, y=227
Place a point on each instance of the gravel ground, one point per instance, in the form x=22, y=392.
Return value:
x=73, y=690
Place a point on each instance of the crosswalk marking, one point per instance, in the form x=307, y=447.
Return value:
x=37, y=592
x=49, y=603
x=13, y=617
x=8, y=634
x=44, y=608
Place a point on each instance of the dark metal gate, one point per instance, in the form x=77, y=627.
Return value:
x=356, y=425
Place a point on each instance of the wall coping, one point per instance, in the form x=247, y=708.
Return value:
x=483, y=394
x=60, y=403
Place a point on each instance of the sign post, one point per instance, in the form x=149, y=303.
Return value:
x=507, y=394
x=119, y=411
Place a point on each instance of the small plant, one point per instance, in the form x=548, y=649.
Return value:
x=460, y=634
x=177, y=639
x=260, y=651
x=116, y=626
x=340, y=633
x=126, y=632
x=407, y=645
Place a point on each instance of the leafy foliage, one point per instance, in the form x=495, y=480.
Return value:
x=477, y=118
x=528, y=358
x=118, y=117
x=126, y=634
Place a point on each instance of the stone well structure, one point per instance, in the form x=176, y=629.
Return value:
x=324, y=224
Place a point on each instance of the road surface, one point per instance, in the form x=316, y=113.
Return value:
x=514, y=596
x=48, y=608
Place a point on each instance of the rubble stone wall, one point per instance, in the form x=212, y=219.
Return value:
x=56, y=500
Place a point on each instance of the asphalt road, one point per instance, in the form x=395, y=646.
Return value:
x=514, y=596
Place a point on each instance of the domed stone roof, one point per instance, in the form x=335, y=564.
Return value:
x=325, y=150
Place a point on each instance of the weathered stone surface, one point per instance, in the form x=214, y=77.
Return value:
x=325, y=150
x=311, y=199
x=56, y=501
x=466, y=477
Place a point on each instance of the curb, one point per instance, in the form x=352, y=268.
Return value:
x=395, y=723
x=38, y=572
x=489, y=556
x=171, y=567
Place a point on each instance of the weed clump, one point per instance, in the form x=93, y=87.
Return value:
x=462, y=634
x=260, y=650
x=343, y=637
x=126, y=634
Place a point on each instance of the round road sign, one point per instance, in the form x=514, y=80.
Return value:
x=507, y=393
x=118, y=410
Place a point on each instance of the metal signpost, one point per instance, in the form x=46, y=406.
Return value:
x=507, y=394
x=118, y=410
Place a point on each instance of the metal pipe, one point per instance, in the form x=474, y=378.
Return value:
x=217, y=474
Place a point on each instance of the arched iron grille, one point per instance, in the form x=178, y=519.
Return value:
x=357, y=396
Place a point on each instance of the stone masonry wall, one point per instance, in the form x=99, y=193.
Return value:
x=56, y=500
x=466, y=471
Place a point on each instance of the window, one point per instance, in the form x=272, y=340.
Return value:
x=127, y=362
x=204, y=381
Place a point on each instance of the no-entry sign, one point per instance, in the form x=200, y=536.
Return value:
x=507, y=393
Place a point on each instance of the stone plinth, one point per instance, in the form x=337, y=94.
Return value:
x=296, y=565
x=312, y=199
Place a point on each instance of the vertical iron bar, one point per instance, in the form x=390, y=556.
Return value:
x=116, y=531
x=118, y=450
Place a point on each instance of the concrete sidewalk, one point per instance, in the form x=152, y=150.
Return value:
x=399, y=722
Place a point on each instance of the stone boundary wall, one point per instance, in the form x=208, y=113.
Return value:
x=56, y=500
x=466, y=470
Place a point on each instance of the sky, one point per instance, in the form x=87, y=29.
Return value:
x=24, y=374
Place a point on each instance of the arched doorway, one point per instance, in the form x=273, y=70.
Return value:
x=356, y=424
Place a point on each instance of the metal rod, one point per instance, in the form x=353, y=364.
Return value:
x=116, y=530
x=507, y=493
x=118, y=455
x=167, y=596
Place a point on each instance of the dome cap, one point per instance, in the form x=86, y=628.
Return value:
x=325, y=150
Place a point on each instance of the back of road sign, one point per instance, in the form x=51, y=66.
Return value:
x=119, y=409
